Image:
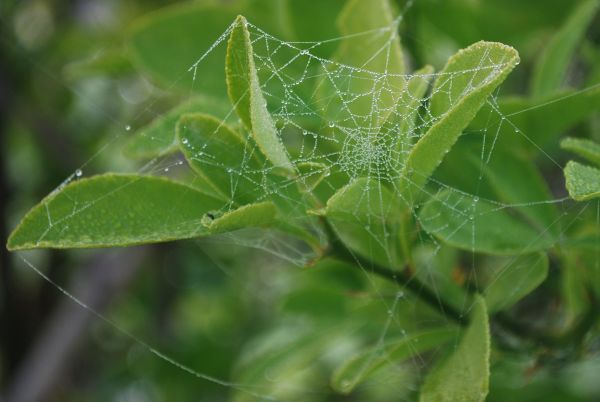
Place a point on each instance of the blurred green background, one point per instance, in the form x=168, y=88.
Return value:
x=72, y=83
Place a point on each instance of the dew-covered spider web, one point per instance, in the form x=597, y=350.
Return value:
x=348, y=119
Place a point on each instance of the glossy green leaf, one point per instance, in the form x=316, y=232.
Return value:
x=460, y=90
x=464, y=376
x=167, y=43
x=583, y=182
x=159, y=136
x=247, y=97
x=114, y=210
x=585, y=148
x=359, y=367
x=550, y=70
x=466, y=222
x=221, y=157
x=514, y=278
x=366, y=217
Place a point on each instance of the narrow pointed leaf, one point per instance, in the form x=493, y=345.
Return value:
x=550, y=70
x=247, y=97
x=459, y=92
x=464, y=376
x=361, y=366
x=585, y=148
x=462, y=221
x=583, y=182
x=114, y=210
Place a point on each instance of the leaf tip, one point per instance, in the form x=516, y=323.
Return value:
x=240, y=20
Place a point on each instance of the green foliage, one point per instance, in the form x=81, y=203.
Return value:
x=456, y=105
x=583, y=182
x=152, y=49
x=246, y=94
x=367, y=218
x=472, y=224
x=514, y=280
x=203, y=136
x=464, y=376
x=357, y=17
x=159, y=136
x=338, y=155
x=114, y=210
x=550, y=70
x=364, y=364
x=587, y=149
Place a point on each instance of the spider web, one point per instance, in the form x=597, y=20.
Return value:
x=343, y=122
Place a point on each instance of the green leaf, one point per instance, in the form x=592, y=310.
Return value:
x=375, y=52
x=416, y=88
x=221, y=157
x=509, y=178
x=358, y=17
x=166, y=44
x=464, y=376
x=518, y=181
x=247, y=97
x=159, y=136
x=439, y=267
x=539, y=121
x=551, y=68
x=361, y=366
x=311, y=174
x=366, y=217
x=466, y=222
x=583, y=182
x=461, y=89
x=252, y=215
x=399, y=128
x=114, y=210
x=585, y=148
x=513, y=279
